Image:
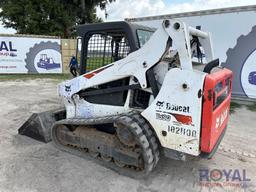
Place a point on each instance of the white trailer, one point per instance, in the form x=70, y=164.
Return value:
x=234, y=41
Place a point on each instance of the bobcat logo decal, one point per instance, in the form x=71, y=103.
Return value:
x=68, y=88
x=160, y=104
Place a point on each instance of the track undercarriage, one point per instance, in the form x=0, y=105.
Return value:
x=123, y=143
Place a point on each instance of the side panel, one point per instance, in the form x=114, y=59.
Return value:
x=175, y=114
x=217, y=95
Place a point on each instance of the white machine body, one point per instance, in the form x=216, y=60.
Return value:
x=175, y=113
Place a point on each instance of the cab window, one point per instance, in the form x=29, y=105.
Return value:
x=143, y=36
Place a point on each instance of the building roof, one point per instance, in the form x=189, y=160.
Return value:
x=195, y=13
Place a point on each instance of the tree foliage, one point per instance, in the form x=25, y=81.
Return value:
x=49, y=17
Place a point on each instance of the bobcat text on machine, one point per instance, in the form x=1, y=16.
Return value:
x=143, y=101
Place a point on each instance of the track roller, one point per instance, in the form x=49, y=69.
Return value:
x=131, y=150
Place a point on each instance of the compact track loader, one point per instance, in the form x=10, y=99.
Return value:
x=141, y=92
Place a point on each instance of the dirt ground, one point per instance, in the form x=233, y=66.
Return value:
x=27, y=165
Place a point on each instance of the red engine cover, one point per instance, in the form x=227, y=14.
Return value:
x=216, y=104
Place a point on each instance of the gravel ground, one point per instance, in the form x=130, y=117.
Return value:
x=30, y=166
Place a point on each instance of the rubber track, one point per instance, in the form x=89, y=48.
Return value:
x=147, y=130
x=138, y=127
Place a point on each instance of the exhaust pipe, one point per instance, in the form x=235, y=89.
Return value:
x=38, y=126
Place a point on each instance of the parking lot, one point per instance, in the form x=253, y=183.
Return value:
x=28, y=165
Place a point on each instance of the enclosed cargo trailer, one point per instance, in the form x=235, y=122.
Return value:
x=234, y=41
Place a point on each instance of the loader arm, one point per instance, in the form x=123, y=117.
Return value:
x=172, y=33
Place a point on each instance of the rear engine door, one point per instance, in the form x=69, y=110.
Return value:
x=216, y=105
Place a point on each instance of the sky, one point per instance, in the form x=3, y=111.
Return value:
x=121, y=9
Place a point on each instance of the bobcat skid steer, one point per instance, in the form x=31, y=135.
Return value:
x=147, y=95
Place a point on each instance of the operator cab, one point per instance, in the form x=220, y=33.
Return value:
x=103, y=43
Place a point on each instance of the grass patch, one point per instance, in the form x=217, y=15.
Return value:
x=251, y=107
x=233, y=106
x=14, y=77
x=97, y=62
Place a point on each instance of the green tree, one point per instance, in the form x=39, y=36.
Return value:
x=49, y=17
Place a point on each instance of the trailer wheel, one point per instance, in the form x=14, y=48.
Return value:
x=237, y=61
x=33, y=51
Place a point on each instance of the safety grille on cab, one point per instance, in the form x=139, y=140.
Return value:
x=105, y=48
